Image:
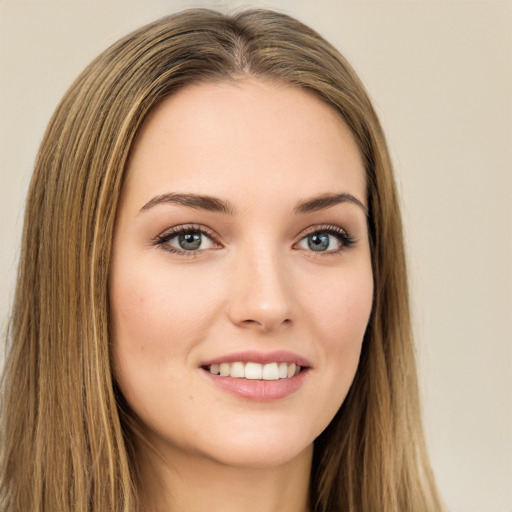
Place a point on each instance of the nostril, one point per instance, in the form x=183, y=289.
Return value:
x=252, y=323
x=266, y=323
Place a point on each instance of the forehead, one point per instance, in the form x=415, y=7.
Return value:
x=215, y=138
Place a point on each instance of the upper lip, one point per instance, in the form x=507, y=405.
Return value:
x=277, y=356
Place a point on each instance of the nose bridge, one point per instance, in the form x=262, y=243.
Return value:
x=261, y=295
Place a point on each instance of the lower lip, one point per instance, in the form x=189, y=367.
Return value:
x=259, y=390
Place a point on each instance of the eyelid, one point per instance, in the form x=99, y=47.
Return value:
x=331, y=228
x=319, y=227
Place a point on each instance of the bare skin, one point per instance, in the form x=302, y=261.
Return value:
x=198, y=485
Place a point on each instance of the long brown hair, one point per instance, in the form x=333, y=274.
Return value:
x=66, y=440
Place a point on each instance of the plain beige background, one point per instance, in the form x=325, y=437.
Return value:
x=440, y=74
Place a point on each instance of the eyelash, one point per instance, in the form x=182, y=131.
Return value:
x=345, y=239
x=161, y=240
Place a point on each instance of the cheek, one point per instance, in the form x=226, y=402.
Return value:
x=338, y=320
x=341, y=306
x=156, y=307
x=144, y=326
x=140, y=317
x=155, y=323
x=158, y=316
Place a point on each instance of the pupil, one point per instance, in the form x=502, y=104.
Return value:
x=190, y=241
x=318, y=242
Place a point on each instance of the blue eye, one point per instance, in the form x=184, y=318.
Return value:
x=186, y=240
x=319, y=242
x=189, y=241
x=330, y=240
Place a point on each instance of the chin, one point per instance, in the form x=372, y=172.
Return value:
x=260, y=449
x=257, y=457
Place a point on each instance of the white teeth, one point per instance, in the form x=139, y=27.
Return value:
x=224, y=369
x=270, y=372
x=255, y=371
x=237, y=370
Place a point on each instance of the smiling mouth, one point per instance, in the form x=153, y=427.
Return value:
x=255, y=371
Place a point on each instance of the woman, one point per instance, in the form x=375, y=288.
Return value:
x=212, y=308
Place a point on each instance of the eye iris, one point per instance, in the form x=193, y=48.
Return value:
x=190, y=241
x=318, y=242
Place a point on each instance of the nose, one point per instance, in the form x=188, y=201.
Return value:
x=261, y=295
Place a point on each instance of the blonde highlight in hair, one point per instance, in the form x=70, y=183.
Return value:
x=67, y=437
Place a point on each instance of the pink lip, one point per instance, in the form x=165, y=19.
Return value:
x=258, y=390
x=277, y=356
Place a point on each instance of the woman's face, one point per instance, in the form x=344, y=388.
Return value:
x=241, y=281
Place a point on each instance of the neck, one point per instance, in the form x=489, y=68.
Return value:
x=189, y=483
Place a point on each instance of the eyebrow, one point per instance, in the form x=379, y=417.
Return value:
x=211, y=204
x=326, y=201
